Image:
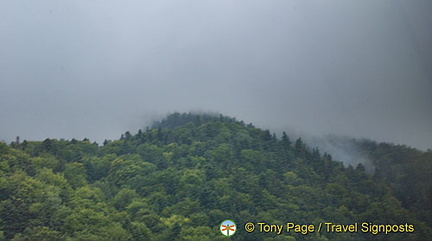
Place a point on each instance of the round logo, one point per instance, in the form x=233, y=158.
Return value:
x=228, y=228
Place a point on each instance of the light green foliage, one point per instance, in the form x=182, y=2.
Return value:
x=139, y=231
x=199, y=233
x=180, y=179
x=123, y=198
x=76, y=174
x=129, y=171
x=45, y=160
x=38, y=234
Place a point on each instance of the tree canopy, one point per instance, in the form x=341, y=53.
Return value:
x=179, y=179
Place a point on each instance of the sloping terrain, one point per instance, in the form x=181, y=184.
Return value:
x=181, y=178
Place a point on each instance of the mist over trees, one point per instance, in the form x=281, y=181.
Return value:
x=180, y=178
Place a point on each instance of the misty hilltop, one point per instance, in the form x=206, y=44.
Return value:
x=94, y=69
x=179, y=179
x=292, y=77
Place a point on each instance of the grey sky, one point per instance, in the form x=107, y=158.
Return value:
x=75, y=69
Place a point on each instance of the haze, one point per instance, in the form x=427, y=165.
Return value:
x=95, y=69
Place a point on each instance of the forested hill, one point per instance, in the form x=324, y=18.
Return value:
x=180, y=179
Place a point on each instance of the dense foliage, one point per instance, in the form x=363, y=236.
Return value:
x=408, y=171
x=181, y=178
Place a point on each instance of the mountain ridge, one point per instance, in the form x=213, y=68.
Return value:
x=180, y=179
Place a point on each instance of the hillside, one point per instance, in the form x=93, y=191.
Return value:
x=181, y=178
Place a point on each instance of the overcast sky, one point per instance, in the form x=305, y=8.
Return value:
x=95, y=69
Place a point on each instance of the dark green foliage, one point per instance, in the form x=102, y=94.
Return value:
x=407, y=170
x=180, y=179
